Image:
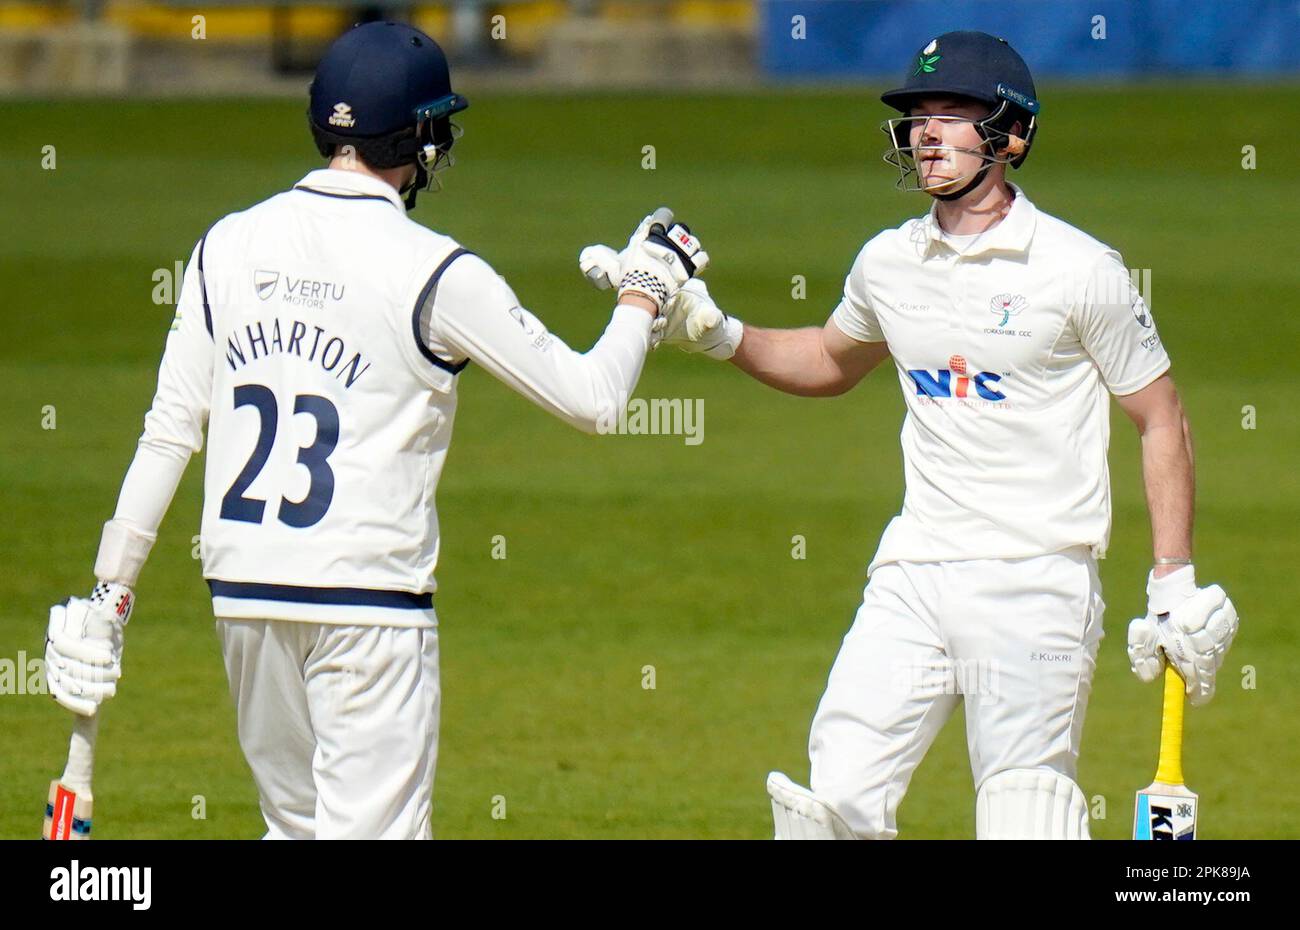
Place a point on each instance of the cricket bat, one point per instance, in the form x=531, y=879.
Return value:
x=67, y=813
x=1166, y=809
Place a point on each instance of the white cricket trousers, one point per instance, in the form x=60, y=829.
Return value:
x=339, y=725
x=1015, y=638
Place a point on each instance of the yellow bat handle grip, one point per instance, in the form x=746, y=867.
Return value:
x=1170, y=768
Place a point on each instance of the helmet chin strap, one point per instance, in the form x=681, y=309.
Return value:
x=419, y=181
x=966, y=188
x=430, y=158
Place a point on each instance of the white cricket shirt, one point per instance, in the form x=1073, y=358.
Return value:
x=1005, y=354
x=319, y=335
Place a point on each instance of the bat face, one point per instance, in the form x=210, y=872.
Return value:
x=1165, y=812
x=1165, y=809
x=67, y=815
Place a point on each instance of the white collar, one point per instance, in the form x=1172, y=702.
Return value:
x=341, y=183
x=1013, y=232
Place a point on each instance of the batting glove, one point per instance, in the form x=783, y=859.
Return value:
x=660, y=257
x=694, y=323
x=600, y=265
x=1189, y=626
x=83, y=647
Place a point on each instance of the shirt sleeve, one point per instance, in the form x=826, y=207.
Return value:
x=173, y=427
x=476, y=315
x=854, y=315
x=1116, y=328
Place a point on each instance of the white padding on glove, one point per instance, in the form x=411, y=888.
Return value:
x=83, y=647
x=600, y=265
x=647, y=268
x=1189, y=626
x=694, y=323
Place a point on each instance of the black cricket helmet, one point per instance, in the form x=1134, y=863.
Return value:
x=975, y=66
x=385, y=89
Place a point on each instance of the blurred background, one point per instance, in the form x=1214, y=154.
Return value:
x=658, y=637
x=138, y=46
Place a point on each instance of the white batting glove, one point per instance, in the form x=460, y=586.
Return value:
x=660, y=257
x=603, y=267
x=694, y=323
x=1189, y=626
x=83, y=647
x=600, y=265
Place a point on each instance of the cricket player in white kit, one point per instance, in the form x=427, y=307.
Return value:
x=1009, y=330
x=320, y=336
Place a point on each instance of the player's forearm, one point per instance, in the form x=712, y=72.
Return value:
x=583, y=389
x=1168, y=469
x=790, y=360
x=150, y=483
x=147, y=492
x=602, y=380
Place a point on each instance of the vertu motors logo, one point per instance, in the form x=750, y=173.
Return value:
x=1140, y=312
x=264, y=283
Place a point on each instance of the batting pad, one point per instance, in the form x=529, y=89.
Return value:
x=798, y=814
x=1030, y=804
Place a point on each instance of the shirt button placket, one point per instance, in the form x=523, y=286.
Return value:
x=957, y=303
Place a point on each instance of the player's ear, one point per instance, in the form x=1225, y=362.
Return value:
x=1009, y=147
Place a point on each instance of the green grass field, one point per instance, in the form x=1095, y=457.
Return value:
x=640, y=550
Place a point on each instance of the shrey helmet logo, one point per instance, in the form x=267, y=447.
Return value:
x=926, y=61
x=264, y=283
x=1008, y=305
x=342, y=116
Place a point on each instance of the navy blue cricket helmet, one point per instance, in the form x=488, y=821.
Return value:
x=385, y=89
x=980, y=67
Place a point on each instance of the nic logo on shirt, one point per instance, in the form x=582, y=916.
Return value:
x=941, y=383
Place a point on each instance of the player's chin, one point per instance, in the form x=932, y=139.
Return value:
x=938, y=183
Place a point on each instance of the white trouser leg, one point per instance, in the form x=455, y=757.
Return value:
x=339, y=725
x=889, y=693
x=1024, y=634
x=374, y=698
x=264, y=660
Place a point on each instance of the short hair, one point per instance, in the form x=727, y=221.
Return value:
x=380, y=152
